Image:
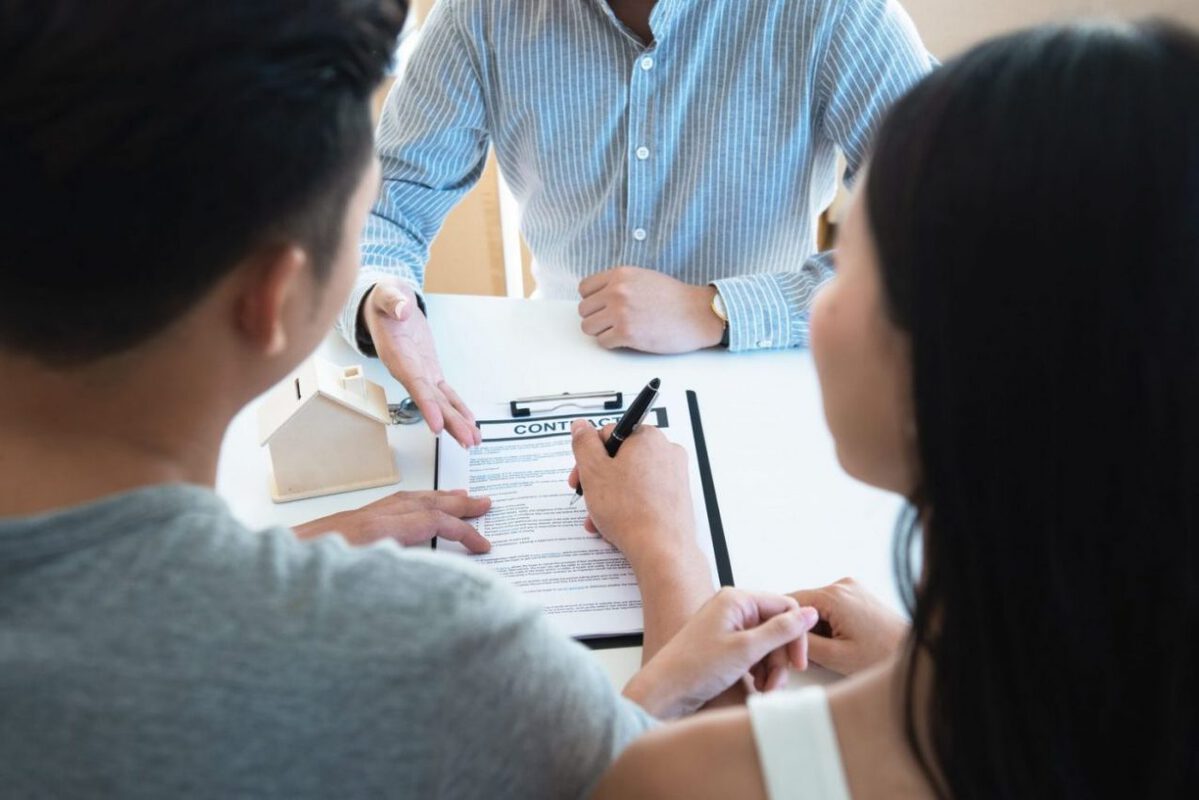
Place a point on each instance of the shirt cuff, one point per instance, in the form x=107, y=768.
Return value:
x=347, y=321
x=760, y=317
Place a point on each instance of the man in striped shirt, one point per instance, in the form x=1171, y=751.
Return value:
x=671, y=160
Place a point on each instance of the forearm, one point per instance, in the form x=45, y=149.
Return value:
x=673, y=586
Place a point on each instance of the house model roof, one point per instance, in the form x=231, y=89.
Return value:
x=316, y=377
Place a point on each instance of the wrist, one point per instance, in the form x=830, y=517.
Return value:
x=663, y=551
x=364, y=336
x=652, y=689
x=316, y=527
x=711, y=325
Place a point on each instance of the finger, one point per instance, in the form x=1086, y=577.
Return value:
x=766, y=604
x=457, y=426
x=778, y=660
x=592, y=284
x=801, y=657
x=774, y=633
x=820, y=599
x=587, y=445
x=758, y=673
x=598, y=322
x=593, y=304
x=463, y=409
x=817, y=598
x=797, y=652
x=572, y=480
x=429, y=403
x=456, y=530
x=773, y=677
x=830, y=653
x=800, y=646
x=589, y=526
x=776, y=678
x=463, y=507
x=391, y=301
x=611, y=339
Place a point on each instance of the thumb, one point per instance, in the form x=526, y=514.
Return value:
x=779, y=630
x=586, y=442
x=829, y=652
x=390, y=301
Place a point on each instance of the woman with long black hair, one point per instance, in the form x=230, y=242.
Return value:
x=1011, y=342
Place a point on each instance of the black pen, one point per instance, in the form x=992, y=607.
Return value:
x=628, y=423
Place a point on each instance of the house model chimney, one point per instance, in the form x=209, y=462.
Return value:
x=353, y=381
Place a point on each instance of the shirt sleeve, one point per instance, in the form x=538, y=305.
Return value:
x=432, y=144
x=873, y=57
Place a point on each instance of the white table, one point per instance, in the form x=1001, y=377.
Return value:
x=792, y=518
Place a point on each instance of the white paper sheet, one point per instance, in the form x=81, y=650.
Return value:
x=537, y=539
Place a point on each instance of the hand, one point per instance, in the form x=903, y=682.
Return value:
x=409, y=518
x=405, y=344
x=856, y=630
x=645, y=310
x=735, y=633
x=640, y=500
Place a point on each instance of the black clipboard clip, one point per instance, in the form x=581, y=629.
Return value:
x=524, y=406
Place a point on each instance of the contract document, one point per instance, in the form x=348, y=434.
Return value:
x=538, y=542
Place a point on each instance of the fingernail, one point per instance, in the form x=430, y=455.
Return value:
x=810, y=616
x=400, y=304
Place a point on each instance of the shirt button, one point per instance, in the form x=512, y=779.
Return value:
x=647, y=63
x=765, y=342
x=642, y=153
x=639, y=234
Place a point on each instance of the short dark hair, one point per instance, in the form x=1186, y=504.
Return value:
x=147, y=145
x=1035, y=206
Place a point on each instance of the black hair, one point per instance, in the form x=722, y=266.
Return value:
x=148, y=145
x=1035, y=206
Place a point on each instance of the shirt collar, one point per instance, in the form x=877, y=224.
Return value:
x=661, y=17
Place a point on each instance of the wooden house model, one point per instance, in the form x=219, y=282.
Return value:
x=326, y=430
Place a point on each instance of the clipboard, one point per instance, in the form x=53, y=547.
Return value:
x=555, y=412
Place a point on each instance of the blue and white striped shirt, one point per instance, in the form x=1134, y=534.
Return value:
x=707, y=155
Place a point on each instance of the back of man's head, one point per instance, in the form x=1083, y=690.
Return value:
x=146, y=146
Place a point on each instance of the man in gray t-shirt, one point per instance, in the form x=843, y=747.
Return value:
x=151, y=646
x=192, y=180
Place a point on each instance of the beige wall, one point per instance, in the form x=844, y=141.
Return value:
x=949, y=26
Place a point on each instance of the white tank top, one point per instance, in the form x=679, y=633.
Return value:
x=797, y=745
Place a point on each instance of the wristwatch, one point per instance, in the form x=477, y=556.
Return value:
x=718, y=308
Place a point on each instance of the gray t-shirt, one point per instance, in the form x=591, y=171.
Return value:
x=151, y=646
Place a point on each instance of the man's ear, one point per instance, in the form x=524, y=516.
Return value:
x=273, y=280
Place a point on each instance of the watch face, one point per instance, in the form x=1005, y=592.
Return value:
x=718, y=307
